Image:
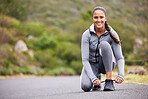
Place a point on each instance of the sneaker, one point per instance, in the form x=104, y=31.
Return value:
x=109, y=85
x=97, y=88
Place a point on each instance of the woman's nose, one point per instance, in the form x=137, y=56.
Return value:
x=98, y=19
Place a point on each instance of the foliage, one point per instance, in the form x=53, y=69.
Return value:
x=57, y=29
x=68, y=51
x=87, y=15
x=8, y=22
x=77, y=66
x=6, y=36
x=6, y=31
x=15, y=70
x=62, y=71
x=42, y=42
x=31, y=28
x=14, y=8
x=47, y=59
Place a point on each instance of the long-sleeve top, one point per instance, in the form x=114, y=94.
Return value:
x=89, y=43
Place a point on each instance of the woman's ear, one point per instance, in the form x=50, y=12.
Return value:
x=106, y=18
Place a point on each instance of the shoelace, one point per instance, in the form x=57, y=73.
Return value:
x=104, y=81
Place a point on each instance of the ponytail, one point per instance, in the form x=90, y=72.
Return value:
x=111, y=34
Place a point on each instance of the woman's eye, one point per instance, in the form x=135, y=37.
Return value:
x=101, y=16
x=95, y=17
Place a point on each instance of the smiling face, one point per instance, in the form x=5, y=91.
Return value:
x=99, y=19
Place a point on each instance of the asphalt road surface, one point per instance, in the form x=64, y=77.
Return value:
x=65, y=88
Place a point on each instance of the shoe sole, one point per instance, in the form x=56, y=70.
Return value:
x=108, y=90
x=96, y=89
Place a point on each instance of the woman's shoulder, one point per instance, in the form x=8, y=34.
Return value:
x=86, y=33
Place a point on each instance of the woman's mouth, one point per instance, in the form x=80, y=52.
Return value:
x=99, y=24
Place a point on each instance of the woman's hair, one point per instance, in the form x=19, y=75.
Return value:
x=106, y=25
x=111, y=34
x=99, y=8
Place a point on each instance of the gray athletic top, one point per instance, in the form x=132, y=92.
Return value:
x=89, y=43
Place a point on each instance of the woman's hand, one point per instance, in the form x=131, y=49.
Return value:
x=119, y=80
x=97, y=82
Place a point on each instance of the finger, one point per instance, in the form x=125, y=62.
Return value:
x=120, y=80
x=94, y=83
x=97, y=82
x=116, y=80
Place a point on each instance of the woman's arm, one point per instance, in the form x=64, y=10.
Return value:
x=119, y=56
x=120, y=60
x=85, y=55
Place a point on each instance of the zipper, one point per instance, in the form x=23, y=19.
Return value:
x=97, y=54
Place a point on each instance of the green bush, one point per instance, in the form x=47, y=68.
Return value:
x=87, y=16
x=7, y=55
x=68, y=51
x=14, y=8
x=8, y=22
x=6, y=63
x=15, y=70
x=23, y=69
x=76, y=66
x=6, y=36
x=66, y=37
x=6, y=71
x=62, y=71
x=45, y=41
x=30, y=28
x=47, y=59
x=78, y=28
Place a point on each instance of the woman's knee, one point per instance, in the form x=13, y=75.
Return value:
x=86, y=87
x=104, y=45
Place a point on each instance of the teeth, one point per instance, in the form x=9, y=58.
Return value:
x=99, y=23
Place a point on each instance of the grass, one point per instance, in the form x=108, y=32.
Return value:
x=129, y=78
x=135, y=78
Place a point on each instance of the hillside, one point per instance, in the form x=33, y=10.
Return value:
x=60, y=13
x=127, y=17
x=52, y=29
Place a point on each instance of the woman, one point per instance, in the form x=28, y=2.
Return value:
x=97, y=54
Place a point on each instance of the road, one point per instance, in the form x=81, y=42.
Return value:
x=65, y=88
